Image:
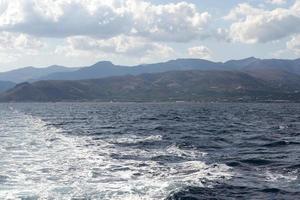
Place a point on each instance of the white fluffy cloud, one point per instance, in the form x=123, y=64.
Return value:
x=139, y=30
x=132, y=29
x=277, y=2
x=137, y=48
x=200, y=52
x=19, y=42
x=171, y=22
x=294, y=44
x=13, y=45
x=177, y=22
x=63, y=18
x=254, y=25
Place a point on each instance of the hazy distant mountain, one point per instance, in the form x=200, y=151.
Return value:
x=278, y=78
x=249, y=64
x=5, y=85
x=107, y=69
x=193, y=85
x=31, y=73
x=240, y=64
x=98, y=70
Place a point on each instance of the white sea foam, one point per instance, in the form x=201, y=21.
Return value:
x=135, y=139
x=280, y=177
x=40, y=161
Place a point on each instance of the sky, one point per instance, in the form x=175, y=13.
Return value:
x=81, y=32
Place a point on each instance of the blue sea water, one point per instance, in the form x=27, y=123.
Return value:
x=149, y=151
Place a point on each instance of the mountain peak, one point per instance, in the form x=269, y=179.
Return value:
x=55, y=66
x=248, y=59
x=103, y=63
x=251, y=58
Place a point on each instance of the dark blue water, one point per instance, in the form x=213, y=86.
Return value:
x=149, y=151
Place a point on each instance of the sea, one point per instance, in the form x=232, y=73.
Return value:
x=149, y=151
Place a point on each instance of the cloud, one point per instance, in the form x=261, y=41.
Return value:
x=19, y=42
x=133, y=47
x=6, y=57
x=63, y=18
x=294, y=44
x=13, y=45
x=256, y=25
x=200, y=52
x=178, y=22
x=277, y=2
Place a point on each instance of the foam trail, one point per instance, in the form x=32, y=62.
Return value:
x=39, y=161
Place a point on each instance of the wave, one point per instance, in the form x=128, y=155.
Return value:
x=41, y=161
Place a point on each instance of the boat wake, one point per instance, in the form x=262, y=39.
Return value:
x=40, y=161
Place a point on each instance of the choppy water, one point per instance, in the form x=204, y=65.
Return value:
x=149, y=151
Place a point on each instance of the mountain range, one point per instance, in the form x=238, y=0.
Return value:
x=106, y=69
x=190, y=85
x=5, y=85
x=182, y=79
x=32, y=73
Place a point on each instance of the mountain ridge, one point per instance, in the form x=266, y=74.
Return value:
x=5, y=85
x=31, y=73
x=106, y=69
x=190, y=85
